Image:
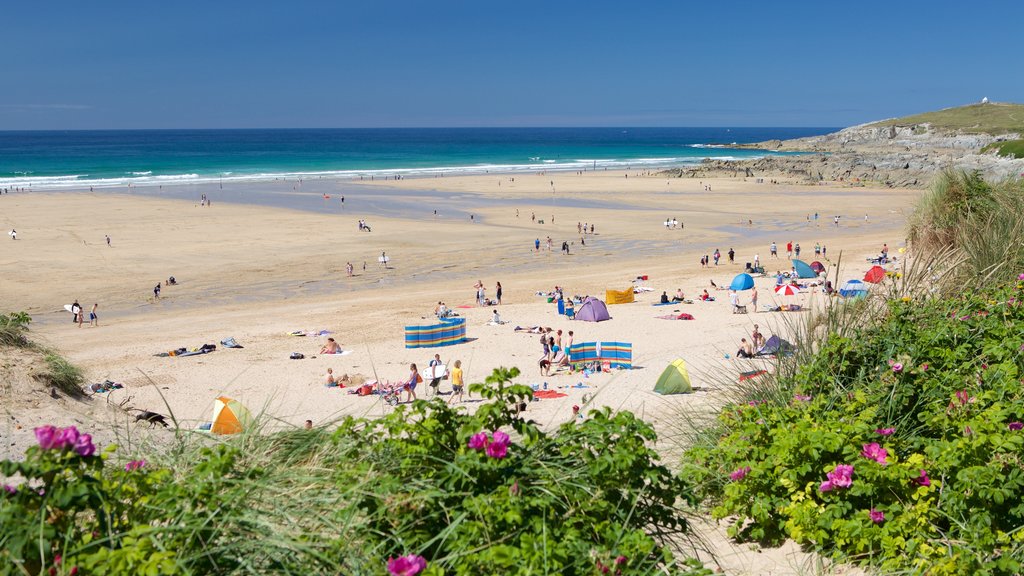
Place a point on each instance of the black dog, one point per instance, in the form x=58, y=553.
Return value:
x=152, y=418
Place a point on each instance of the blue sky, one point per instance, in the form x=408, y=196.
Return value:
x=260, y=63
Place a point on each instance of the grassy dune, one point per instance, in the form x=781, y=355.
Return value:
x=992, y=118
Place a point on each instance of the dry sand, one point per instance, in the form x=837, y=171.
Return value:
x=259, y=272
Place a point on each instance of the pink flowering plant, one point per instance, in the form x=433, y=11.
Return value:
x=909, y=457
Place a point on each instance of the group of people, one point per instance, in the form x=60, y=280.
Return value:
x=439, y=371
x=481, y=294
x=363, y=226
x=749, y=348
x=793, y=250
x=171, y=281
x=78, y=314
x=672, y=224
x=556, y=350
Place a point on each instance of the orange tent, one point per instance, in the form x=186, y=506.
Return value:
x=229, y=416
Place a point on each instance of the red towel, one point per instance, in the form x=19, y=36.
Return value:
x=548, y=394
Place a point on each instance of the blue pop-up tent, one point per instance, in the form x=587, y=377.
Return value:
x=804, y=270
x=742, y=282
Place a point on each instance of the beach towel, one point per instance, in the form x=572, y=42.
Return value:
x=204, y=349
x=751, y=374
x=310, y=333
x=549, y=394
x=680, y=316
x=338, y=353
x=665, y=303
x=465, y=306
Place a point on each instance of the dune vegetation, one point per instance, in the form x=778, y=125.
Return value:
x=993, y=118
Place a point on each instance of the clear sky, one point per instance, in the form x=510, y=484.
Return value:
x=262, y=63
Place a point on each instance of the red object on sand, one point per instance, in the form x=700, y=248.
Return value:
x=548, y=394
x=465, y=306
x=875, y=275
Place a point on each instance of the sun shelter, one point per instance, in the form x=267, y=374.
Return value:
x=619, y=296
x=446, y=333
x=853, y=289
x=592, y=310
x=675, y=379
x=742, y=282
x=803, y=270
x=775, y=345
x=229, y=416
x=875, y=275
x=616, y=354
x=818, y=267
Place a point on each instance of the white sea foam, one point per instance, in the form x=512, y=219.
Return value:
x=140, y=179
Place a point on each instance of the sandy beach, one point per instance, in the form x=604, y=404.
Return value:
x=257, y=272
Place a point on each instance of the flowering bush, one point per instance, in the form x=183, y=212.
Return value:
x=910, y=455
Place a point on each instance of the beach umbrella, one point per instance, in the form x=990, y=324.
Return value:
x=787, y=290
x=229, y=416
x=818, y=267
x=803, y=270
x=875, y=275
x=742, y=282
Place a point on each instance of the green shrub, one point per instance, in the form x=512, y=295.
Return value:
x=426, y=479
x=1008, y=148
x=64, y=375
x=14, y=329
x=937, y=386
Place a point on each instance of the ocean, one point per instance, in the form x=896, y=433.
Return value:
x=75, y=160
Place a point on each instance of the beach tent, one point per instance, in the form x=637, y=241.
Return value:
x=229, y=416
x=592, y=310
x=619, y=296
x=448, y=332
x=803, y=270
x=853, y=289
x=742, y=282
x=875, y=275
x=775, y=345
x=818, y=267
x=675, y=379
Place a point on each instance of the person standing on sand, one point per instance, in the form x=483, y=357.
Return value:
x=348, y=268
x=497, y=292
x=156, y=291
x=789, y=250
x=435, y=380
x=76, y=311
x=718, y=256
x=757, y=261
x=108, y=240
x=536, y=245
x=753, y=298
x=732, y=256
x=773, y=250
x=14, y=234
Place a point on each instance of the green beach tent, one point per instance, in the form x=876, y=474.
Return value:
x=675, y=379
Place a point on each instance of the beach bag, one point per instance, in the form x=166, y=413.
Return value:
x=419, y=378
x=297, y=356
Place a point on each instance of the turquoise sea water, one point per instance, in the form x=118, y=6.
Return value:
x=82, y=159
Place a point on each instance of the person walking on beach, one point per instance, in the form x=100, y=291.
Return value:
x=108, y=240
x=410, y=384
x=14, y=234
x=732, y=256
x=773, y=250
x=753, y=298
x=457, y=382
x=717, y=256
x=156, y=291
x=94, y=320
x=536, y=245
x=789, y=249
x=435, y=379
x=76, y=311
x=497, y=292
x=348, y=268
x=796, y=249
x=817, y=249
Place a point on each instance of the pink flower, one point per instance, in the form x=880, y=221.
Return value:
x=1020, y=277
x=410, y=565
x=513, y=490
x=802, y=398
x=495, y=450
x=924, y=367
x=68, y=437
x=84, y=446
x=962, y=397
x=48, y=438
x=10, y=489
x=877, y=516
x=478, y=441
x=923, y=479
x=740, y=474
x=897, y=367
x=134, y=465
x=884, y=431
x=1015, y=425
x=875, y=452
x=621, y=560
x=840, y=477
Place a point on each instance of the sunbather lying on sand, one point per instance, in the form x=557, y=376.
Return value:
x=531, y=329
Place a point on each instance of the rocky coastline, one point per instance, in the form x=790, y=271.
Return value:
x=894, y=156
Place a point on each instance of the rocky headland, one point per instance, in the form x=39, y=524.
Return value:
x=906, y=152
